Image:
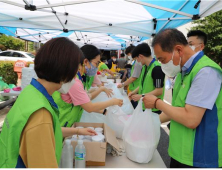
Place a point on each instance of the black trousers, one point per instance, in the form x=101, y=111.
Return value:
x=176, y=164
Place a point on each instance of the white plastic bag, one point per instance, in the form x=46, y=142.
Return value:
x=92, y=117
x=126, y=107
x=141, y=135
x=115, y=119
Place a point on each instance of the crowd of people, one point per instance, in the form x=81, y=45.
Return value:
x=45, y=111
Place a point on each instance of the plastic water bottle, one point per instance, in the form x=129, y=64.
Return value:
x=67, y=155
x=80, y=155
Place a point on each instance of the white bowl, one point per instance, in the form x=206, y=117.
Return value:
x=99, y=130
x=91, y=128
x=98, y=138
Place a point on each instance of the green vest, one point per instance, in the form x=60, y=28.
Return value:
x=68, y=113
x=88, y=83
x=135, y=84
x=29, y=101
x=147, y=85
x=184, y=141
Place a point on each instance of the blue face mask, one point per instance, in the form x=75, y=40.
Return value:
x=91, y=71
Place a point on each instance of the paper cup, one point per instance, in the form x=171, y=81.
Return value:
x=99, y=130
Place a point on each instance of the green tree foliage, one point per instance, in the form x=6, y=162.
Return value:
x=7, y=72
x=212, y=26
x=2, y=47
x=31, y=46
x=12, y=43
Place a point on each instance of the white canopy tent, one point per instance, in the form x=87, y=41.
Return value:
x=135, y=18
x=100, y=40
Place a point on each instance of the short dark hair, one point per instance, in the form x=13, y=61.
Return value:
x=122, y=55
x=168, y=38
x=113, y=54
x=103, y=58
x=129, y=49
x=90, y=51
x=143, y=49
x=58, y=60
x=200, y=34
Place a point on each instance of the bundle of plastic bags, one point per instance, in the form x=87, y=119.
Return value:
x=115, y=119
x=141, y=135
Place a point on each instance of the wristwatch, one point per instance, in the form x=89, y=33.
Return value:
x=143, y=95
x=104, y=112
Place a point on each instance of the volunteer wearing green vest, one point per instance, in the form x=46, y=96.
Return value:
x=196, y=111
x=134, y=79
x=152, y=77
x=92, y=54
x=72, y=101
x=31, y=135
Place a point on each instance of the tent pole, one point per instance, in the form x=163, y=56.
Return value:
x=12, y=3
x=29, y=34
x=66, y=3
x=10, y=31
x=26, y=3
x=161, y=8
x=57, y=16
x=173, y=15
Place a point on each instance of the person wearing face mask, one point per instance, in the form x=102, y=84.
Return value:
x=112, y=62
x=31, y=135
x=197, y=40
x=92, y=54
x=134, y=79
x=73, y=99
x=152, y=77
x=196, y=111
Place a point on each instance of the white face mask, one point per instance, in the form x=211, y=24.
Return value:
x=170, y=69
x=130, y=57
x=66, y=87
x=193, y=47
x=114, y=59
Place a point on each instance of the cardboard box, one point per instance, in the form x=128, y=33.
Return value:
x=96, y=151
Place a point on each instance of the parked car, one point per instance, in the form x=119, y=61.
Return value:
x=16, y=55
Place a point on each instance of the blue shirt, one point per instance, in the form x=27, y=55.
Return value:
x=205, y=86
